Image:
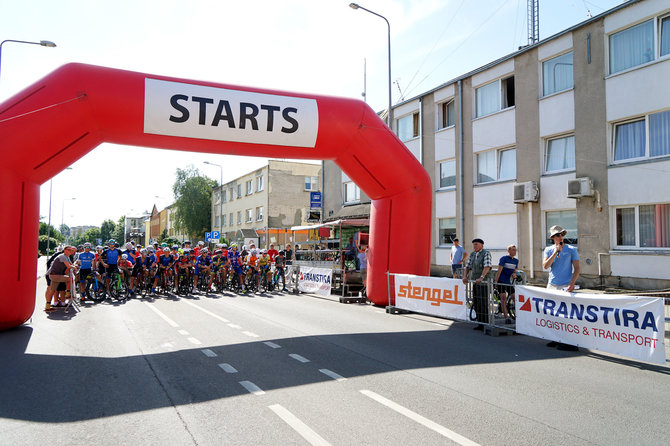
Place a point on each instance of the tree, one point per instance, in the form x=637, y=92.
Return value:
x=193, y=194
x=120, y=230
x=163, y=236
x=46, y=229
x=65, y=230
x=91, y=236
x=107, y=230
x=42, y=244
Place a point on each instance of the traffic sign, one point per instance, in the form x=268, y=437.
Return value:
x=208, y=235
x=315, y=200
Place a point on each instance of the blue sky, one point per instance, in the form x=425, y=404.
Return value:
x=315, y=46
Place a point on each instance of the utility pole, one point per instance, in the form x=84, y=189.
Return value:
x=533, y=14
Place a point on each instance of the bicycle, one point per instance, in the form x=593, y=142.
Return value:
x=94, y=288
x=118, y=288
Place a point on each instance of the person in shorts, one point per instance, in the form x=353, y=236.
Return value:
x=59, y=272
x=507, y=267
x=85, y=261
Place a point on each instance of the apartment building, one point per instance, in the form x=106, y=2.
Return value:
x=573, y=130
x=272, y=197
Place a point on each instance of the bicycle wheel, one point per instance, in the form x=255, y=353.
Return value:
x=511, y=307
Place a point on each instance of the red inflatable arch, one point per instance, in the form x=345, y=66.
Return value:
x=59, y=119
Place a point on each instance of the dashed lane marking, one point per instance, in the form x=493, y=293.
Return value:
x=272, y=344
x=251, y=334
x=195, y=341
x=162, y=316
x=229, y=369
x=183, y=332
x=333, y=375
x=252, y=388
x=298, y=357
x=209, y=353
x=301, y=428
x=214, y=315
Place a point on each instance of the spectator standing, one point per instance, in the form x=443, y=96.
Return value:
x=272, y=252
x=477, y=267
x=363, y=262
x=562, y=260
x=506, y=271
x=458, y=256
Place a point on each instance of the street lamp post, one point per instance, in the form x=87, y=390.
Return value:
x=51, y=188
x=220, y=196
x=62, y=216
x=390, y=111
x=45, y=43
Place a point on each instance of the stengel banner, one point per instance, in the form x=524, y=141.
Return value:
x=631, y=326
x=437, y=296
x=315, y=280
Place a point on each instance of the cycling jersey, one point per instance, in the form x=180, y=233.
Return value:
x=264, y=262
x=203, y=260
x=166, y=260
x=111, y=256
x=280, y=261
x=131, y=255
x=150, y=261
x=86, y=259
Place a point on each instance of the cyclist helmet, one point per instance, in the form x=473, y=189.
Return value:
x=129, y=245
x=234, y=245
x=218, y=251
x=143, y=251
x=187, y=242
x=151, y=249
x=204, y=251
x=164, y=245
x=244, y=248
x=124, y=256
x=201, y=243
x=224, y=245
x=116, y=245
x=111, y=241
x=98, y=248
x=281, y=253
x=80, y=247
x=187, y=251
x=87, y=245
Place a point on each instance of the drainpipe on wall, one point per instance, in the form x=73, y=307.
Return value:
x=421, y=130
x=531, y=258
x=460, y=160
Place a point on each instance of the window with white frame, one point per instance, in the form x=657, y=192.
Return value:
x=230, y=219
x=223, y=220
x=664, y=30
x=560, y=154
x=216, y=196
x=231, y=194
x=646, y=137
x=250, y=187
x=446, y=114
x=643, y=226
x=408, y=127
x=496, y=96
x=223, y=196
x=631, y=47
x=259, y=213
x=312, y=183
x=448, y=173
x=567, y=220
x=351, y=192
x=259, y=183
x=447, y=231
x=216, y=221
x=496, y=165
x=239, y=191
x=250, y=215
x=557, y=74
x=239, y=217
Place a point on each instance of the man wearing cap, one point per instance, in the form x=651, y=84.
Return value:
x=562, y=260
x=458, y=256
x=479, y=264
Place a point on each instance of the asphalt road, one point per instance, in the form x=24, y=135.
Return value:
x=283, y=369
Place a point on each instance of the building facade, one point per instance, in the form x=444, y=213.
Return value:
x=573, y=130
x=275, y=196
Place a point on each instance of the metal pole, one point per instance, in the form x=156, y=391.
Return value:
x=51, y=188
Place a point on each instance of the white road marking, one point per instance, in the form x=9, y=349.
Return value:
x=333, y=375
x=305, y=431
x=252, y=388
x=168, y=345
x=182, y=332
x=272, y=344
x=249, y=333
x=453, y=436
x=208, y=353
x=164, y=317
x=234, y=326
x=229, y=369
x=298, y=357
x=222, y=319
x=194, y=341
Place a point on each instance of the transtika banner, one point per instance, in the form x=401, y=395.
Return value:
x=631, y=326
x=315, y=280
x=439, y=296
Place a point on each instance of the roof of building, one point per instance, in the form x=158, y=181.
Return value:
x=348, y=212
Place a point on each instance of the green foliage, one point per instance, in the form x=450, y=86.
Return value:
x=119, y=230
x=193, y=194
x=42, y=244
x=170, y=241
x=90, y=236
x=46, y=229
x=65, y=230
x=106, y=230
x=163, y=236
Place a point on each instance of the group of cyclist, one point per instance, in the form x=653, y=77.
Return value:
x=169, y=267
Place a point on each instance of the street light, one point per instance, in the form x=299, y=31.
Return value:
x=220, y=196
x=45, y=43
x=51, y=189
x=62, y=215
x=390, y=112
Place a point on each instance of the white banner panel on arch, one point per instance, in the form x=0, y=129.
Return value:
x=438, y=296
x=630, y=326
x=315, y=280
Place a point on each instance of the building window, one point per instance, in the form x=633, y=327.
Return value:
x=231, y=194
x=216, y=196
x=223, y=195
x=560, y=154
x=664, y=28
x=447, y=228
x=495, y=96
x=496, y=165
x=632, y=47
x=250, y=215
x=557, y=74
x=351, y=192
x=447, y=173
x=239, y=217
x=230, y=219
x=223, y=220
x=250, y=187
x=648, y=137
x=566, y=219
x=259, y=183
x=216, y=221
x=259, y=213
x=408, y=127
x=446, y=114
x=644, y=226
x=239, y=191
x=312, y=183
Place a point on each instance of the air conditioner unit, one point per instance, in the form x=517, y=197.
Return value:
x=526, y=191
x=580, y=187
